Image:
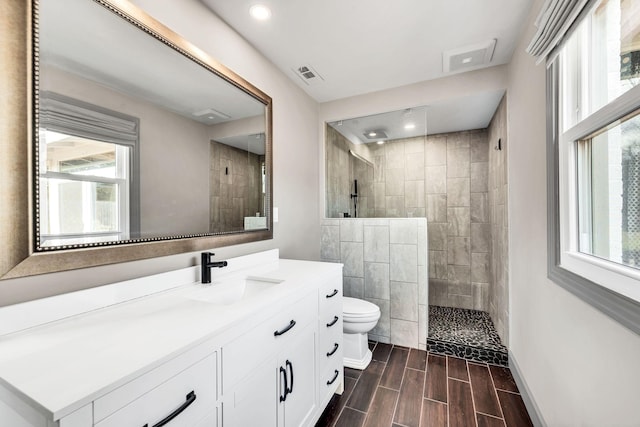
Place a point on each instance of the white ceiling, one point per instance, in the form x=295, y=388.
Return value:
x=95, y=44
x=362, y=46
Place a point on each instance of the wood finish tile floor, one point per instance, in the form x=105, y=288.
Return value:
x=405, y=387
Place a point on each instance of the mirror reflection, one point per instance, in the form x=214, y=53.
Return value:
x=138, y=141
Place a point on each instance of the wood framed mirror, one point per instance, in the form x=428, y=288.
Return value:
x=122, y=141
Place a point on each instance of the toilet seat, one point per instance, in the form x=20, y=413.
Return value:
x=357, y=310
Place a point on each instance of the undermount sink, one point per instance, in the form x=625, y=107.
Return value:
x=232, y=290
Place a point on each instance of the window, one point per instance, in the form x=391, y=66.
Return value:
x=88, y=181
x=84, y=190
x=594, y=135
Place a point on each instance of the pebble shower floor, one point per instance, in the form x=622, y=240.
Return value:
x=468, y=334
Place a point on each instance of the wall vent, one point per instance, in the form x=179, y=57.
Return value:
x=308, y=74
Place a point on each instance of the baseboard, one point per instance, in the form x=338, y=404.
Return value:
x=534, y=412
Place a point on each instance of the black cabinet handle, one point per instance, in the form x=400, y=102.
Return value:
x=333, y=322
x=335, y=292
x=286, y=329
x=283, y=373
x=191, y=397
x=290, y=368
x=332, y=352
x=335, y=377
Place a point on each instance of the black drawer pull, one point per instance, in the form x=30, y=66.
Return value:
x=191, y=397
x=333, y=322
x=335, y=292
x=286, y=329
x=289, y=366
x=332, y=352
x=335, y=377
x=283, y=397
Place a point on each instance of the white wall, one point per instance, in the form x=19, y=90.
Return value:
x=582, y=368
x=295, y=151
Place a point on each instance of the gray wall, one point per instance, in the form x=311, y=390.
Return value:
x=338, y=174
x=443, y=178
x=385, y=262
x=498, y=213
x=235, y=187
x=342, y=169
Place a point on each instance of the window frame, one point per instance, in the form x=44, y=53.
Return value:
x=130, y=223
x=605, y=285
x=124, y=201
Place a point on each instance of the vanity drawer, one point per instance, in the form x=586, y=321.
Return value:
x=330, y=295
x=240, y=356
x=192, y=390
x=133, y=389
x=330, y=379
x=328, y=338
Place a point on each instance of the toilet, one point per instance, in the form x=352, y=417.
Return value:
x=359, y=317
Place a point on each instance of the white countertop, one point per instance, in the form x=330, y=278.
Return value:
x=60, y=366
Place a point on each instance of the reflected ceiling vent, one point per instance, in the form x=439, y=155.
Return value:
x=468, y=57
x=211, y=114
x=376, y=134
x=308, y=74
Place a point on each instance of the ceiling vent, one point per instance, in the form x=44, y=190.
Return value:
x=211, y=114
x=308, y=74
x=375, y=134
x=467, y=57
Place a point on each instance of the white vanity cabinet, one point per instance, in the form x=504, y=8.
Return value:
x=182, y=392
x=272, y=359
x=329, y=354
x=269, y=374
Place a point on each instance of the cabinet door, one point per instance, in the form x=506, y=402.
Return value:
x=300, y=402
x=253, y=400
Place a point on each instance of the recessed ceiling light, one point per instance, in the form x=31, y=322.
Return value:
x=260, y=12
x=380, y=142
x=467, y=60
x=372, y=134
x=409, y=126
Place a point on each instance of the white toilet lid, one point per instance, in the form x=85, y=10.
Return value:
x=358, y=307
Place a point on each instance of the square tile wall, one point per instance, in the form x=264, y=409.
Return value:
x=385, y=262
x=444, y=178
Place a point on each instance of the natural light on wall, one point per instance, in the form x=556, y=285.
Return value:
x=599, y=147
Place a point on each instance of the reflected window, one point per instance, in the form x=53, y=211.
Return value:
x=88, y=178
x=84, y=190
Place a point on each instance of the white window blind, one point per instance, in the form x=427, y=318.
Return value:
x=65, y=115
x=553, y=23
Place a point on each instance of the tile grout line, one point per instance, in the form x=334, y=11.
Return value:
x=395, y=408
x=489, y=415
x=422, y=392
x=495, y=392
x=473, y=399
x=446, y=371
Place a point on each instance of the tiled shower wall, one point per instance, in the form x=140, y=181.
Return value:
x=443, y=178
x=498, y=185
x=235, y=186
x=385, y=262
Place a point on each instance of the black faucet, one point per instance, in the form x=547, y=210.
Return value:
x=207, y=264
